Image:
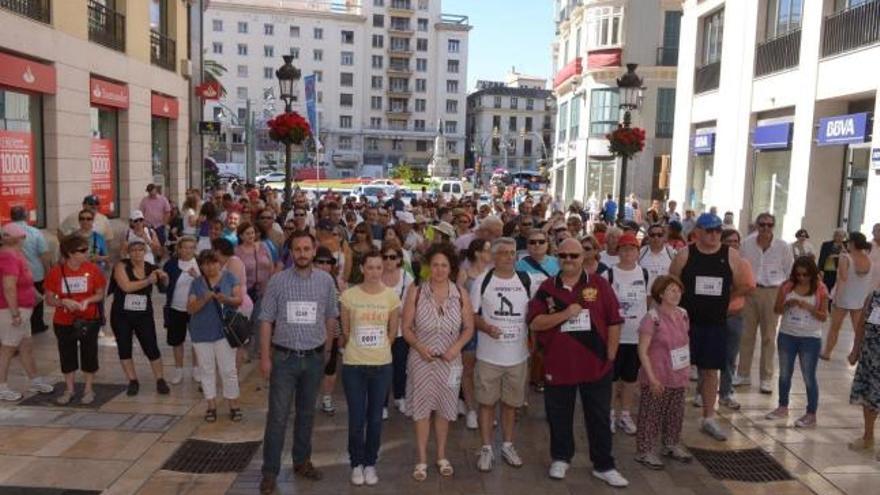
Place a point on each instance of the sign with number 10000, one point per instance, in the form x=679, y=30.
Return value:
x=103, y=183
x=17, y=181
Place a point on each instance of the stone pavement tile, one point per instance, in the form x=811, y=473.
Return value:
x=111, y=445
x=24, y=440
x=140, y=471
x=117, y=406
x=82, y=474
x=182, y=429
x=25, y=416
x=827, y=459
x=771, y=488
x=10, y=465
x=860, y=484
x=165, y=482
x=93, y=420
x=62, y=441
x=157, y=423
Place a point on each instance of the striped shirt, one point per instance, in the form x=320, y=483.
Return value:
x=300, y=307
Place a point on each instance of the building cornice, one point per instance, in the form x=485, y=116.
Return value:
x=286, y=11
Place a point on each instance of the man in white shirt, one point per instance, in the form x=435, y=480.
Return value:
x=770, y=260
x=657, y=255
x=500, y=298
x=101, y=223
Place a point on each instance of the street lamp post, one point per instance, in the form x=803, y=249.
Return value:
x=630, y=92
x=287, y=76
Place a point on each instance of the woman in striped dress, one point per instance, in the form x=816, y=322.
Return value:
x=437, y=323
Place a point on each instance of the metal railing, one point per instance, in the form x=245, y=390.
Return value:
x=667, y=56
x=38, y=10
x=707, y=77
x=106, y=26
x=779, y=53
x=163, y=50
x=851, y=28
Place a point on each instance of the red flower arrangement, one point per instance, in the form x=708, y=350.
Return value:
x=289, y=128
x=626, y=141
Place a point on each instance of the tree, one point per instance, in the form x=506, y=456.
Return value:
x=213, y=71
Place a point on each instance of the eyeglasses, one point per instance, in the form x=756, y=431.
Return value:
x=86, y=219
x=568, y=256
x=81, y=250
x=537, y=242
x=324, y=261
x=766, y=225
x=390, y=257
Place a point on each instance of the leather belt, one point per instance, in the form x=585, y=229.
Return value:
x=297, y=352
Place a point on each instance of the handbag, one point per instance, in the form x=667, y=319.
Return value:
x=236, y=328
x=81, y=326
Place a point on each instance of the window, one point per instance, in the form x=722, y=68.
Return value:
x=783, y=16
x=241, y=93
x=242, y=114
x=421, y=144
x=378, y=20
x=450, y=127
x=713, y=27
x=397, y=125
x=399, y=44
x=497, y=102
x=346, y=99
x=242, y=27
x=294, y=31
x=665, y=112
x=269, y=29
x=528, y=124
x=242, y=71
x=452, y=66
x=378, y=41
x=511, y=123
x=378, y=3
x=421, y=85
x=242, y=49
x=318, y=55
x=527, y=147
x=318, y=33
x=452, y=86
x=397, y=144
x=376, y=103
x=376, y=82
x=604, y=27
x=268, y=51
x=514, y=102
x=346, y=79
x=319, y=75
x=375, y=122
x=377, y=61
x=604, y=111
x=423, y=4
x=419, y=125
x=422, y=45
x=372, y=144
x=421, y=105
x=496, y=122
x=422, y=25
x=347, y=37
x=217, y=25
x=399, y=24
x=574, y=120
x=399, y=84
x=562, y=125
x=268, y=73
x=345, y=121
x=421, y=65
x=451, y=106
x=346, y=58
x=345, y=142
x=530, y=104
x=294, y=52
x=217, y=47
x=453, y=46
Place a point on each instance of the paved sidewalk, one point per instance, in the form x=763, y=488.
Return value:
x=119, y=447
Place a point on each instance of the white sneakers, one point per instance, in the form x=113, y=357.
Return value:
x=361, y=475
x=8, y=394
x=176, y=376
x=357, y=475
x=612, y=477
x=486, y=459
x=39, y=385
x=766, y=386
x=327, y=405
x=472, y=422
x=510, y=455
x=626, y=423
x=558, y=470
x=401, y=405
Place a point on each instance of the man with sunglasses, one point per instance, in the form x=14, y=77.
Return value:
x=102, y=224
x=657, y=255
x=770, y=260
x=537, y=263
x=711, y=273
x=577, y=318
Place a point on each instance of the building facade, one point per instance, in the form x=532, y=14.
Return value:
x=776, y=112
x=509, y=125
x=93, y=100
x=388, y=72
x=594, y=41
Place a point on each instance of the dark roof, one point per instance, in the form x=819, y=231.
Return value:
x=508, y=91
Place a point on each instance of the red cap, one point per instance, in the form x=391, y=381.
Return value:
x=628, y=240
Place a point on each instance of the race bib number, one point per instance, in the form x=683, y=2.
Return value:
x=510, y=334
x=795, y=318
x=874, y=317
x=708, y=286
x=75, y=285
x=681, y=358
x=135, y=302
x=370, y=337
x=580, y=323
x=302, y=312
x=454, y=379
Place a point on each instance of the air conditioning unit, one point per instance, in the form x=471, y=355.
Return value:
x=186, y=68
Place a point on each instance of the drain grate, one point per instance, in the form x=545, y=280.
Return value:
x=201, y=456
x=104, y=393
x=749, y=465
x=32, y=490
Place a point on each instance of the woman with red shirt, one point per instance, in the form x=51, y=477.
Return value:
x=75, y=287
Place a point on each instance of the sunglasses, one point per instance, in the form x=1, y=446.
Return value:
x=537, y=242
x=139, y=220
x=81, y=250
x=86, y=219
x=390, y=257
x=568, y=256
x=766, y=225
x=324, y=261
x=656, y=235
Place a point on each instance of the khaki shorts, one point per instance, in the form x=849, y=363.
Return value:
x=11, y=336
x=505, y=383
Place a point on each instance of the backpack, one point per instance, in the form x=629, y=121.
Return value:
x=611, y=276
x=524, y=279
x=647, y=249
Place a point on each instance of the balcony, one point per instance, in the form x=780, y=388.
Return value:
x=106, y=26
x=667, y=56
x=399, y=92
x=38, y=10
x=162, y=50
x=779, y=53
x=402, y=70
x=573, y=68
x=400, y=30
x=398, y=112
x=851, y=28
x=400, y=51
x=707, y=77
x=401, y=7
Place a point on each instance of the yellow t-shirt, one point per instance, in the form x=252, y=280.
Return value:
x=368, y=342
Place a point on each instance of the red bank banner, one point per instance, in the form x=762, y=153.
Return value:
x=17, y=175
x=26, y=74
x=209, y=90
x=164, y=106
x=108, y=94
x=103, y=181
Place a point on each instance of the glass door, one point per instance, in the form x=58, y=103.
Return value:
x=856, y=187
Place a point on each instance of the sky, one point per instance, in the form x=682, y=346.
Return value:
x=506, y=33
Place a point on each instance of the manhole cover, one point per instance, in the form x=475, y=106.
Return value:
x=32, y=490
x=201, y=456
x=750, y=465
x=104, y=393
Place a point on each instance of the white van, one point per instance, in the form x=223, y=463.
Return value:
x=452, y=189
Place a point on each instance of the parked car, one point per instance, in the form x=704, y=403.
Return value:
x=371, y=192
x=452, y=189
x=270, y=177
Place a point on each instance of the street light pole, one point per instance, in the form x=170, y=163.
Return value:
x=287, y=76
x=630, y=92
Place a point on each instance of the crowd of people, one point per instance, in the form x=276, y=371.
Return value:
x=444, y=309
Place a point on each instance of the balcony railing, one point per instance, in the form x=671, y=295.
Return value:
x=851, y=28
x=778, y=54
x=401, y=6
x=38, y=10
x=106, y=26
x=707, y=77
x=162, y=50
x=667, y=56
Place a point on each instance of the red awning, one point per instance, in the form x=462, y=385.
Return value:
x=609, y=57
x=26, y=74
x=107, y=93
x=164, y=106
x=573, y=68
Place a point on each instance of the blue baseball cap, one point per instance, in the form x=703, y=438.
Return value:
x=708, y=221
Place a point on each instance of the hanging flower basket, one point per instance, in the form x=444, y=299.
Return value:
x=289, y=128
x=626, y=141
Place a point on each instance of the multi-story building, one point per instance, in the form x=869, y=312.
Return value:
x=93, y=100
x=774, y=112
x=509, y=125
x=388, y=73
x=594, y=41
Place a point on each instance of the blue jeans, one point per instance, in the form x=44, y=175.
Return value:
x=293, y=379
x=734, y=334
x=366, y=388
x=806, y=349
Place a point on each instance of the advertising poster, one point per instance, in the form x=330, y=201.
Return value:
x=103, y=182
x=17, y=175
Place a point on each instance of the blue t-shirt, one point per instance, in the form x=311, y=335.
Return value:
x=550, y=265
x=231, y=236
x=206, y=325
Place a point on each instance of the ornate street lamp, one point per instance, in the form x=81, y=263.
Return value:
x=288, y=75
x=630, y=91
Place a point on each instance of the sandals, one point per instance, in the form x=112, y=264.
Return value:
x=420, y=472
x=235, y=415
x=211, y=416
x=445, y=467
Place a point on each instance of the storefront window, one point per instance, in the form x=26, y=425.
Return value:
x=770, y=190
x=22, y=170
x=570, y=178
x=700, y=182
x=600, y=178
x=160, y=153
x=105, y=158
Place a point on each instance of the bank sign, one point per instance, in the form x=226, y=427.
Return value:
x=843, y=129
x=704, y=144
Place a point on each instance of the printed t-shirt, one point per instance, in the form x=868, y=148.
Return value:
x=368, y=342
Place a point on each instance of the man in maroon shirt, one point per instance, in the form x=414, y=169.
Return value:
x=577, y=318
